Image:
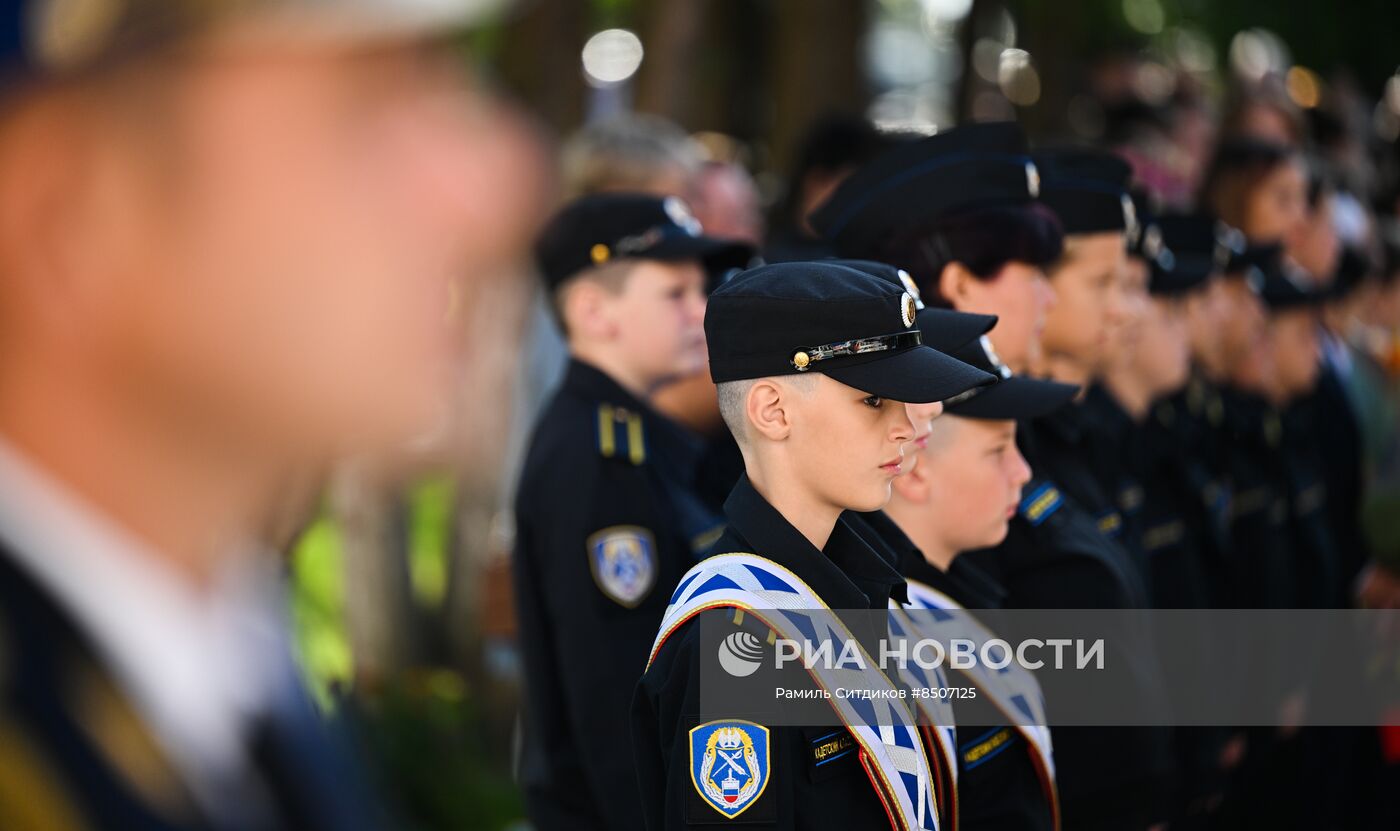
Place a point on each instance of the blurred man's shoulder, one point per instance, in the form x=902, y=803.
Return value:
x=67, y=730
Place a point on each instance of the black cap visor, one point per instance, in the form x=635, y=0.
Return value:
x=947, y=330
x=921, y=375
x=1186, y=274
x=716, y=255
x=1015, y=398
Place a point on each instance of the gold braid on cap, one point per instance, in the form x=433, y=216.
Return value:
x=803, y=358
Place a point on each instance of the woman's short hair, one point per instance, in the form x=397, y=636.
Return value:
x=982, y=239
x=1238, y=167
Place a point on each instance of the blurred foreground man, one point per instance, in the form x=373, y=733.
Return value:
x=227, y=238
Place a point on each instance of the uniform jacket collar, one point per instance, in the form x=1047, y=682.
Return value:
x=846, y=574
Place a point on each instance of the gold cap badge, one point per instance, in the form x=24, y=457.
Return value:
x=599, y=253
x=801, y=360
x=908, y=309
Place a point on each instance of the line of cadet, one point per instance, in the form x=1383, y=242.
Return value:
x=1023, y=387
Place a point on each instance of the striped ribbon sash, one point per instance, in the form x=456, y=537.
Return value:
x=882, y=726
x=1012, y=689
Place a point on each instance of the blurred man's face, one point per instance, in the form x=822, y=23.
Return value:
x=726, y=202
x=291, y=275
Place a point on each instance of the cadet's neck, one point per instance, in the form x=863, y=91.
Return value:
x=812, y=517
x=913, y=521
x=1067, y=370
x=1130, y=392
x=615, y=366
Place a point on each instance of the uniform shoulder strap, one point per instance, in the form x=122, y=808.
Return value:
x=620, y=434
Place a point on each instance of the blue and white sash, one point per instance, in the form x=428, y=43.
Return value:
x=1012, y=689
x=937, y=711
x=938, y=716
x=891, y=749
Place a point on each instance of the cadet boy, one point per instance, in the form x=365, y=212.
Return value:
x=959, y=494
x=223, y=260
x=1059, y=552
x=815, y=364
x=1055, y=556
x=1159, y=485
x=607, y=520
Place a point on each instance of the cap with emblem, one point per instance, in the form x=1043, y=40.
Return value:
x=1284, y=286
x=1200, y=247
x=1252, y=261
x=1012, y=397
x=943, y=329
x=794, y=318
x=45, y=38
x=1354, y=266
x=604, y=227
x=918, y=181
x=1144, y=236
x=1087, y=190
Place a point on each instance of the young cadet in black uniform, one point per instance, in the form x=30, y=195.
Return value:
x=1112, y=454
x=606, y=517
x=958, y=210
x=1054, y=558
x=959, y=493
x=815, y=364
x=1088, y=192
x=1166, y=519
x=1281, y=529
x=1198, y=416
x=1184, y=522
x=1332, y=404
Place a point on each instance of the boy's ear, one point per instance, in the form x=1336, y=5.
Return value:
x=913, y=487
x=585, y=310
x=766, y=407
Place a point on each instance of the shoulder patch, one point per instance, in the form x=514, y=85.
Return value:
x=620, y=434
x=623, y=561
x=986, y=746
x=1161, y=536
x=729, y=764
x=1041, y=503
x=1131, y=497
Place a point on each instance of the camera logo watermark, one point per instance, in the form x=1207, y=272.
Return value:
x=741, y=654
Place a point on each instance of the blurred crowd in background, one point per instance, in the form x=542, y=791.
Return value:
x=753, y=114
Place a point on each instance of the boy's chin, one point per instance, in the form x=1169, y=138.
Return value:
x=996, y=537
x=873, y=500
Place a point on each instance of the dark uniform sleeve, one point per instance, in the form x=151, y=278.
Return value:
x=665, y=708
x=594, y=568
x=815, y=779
